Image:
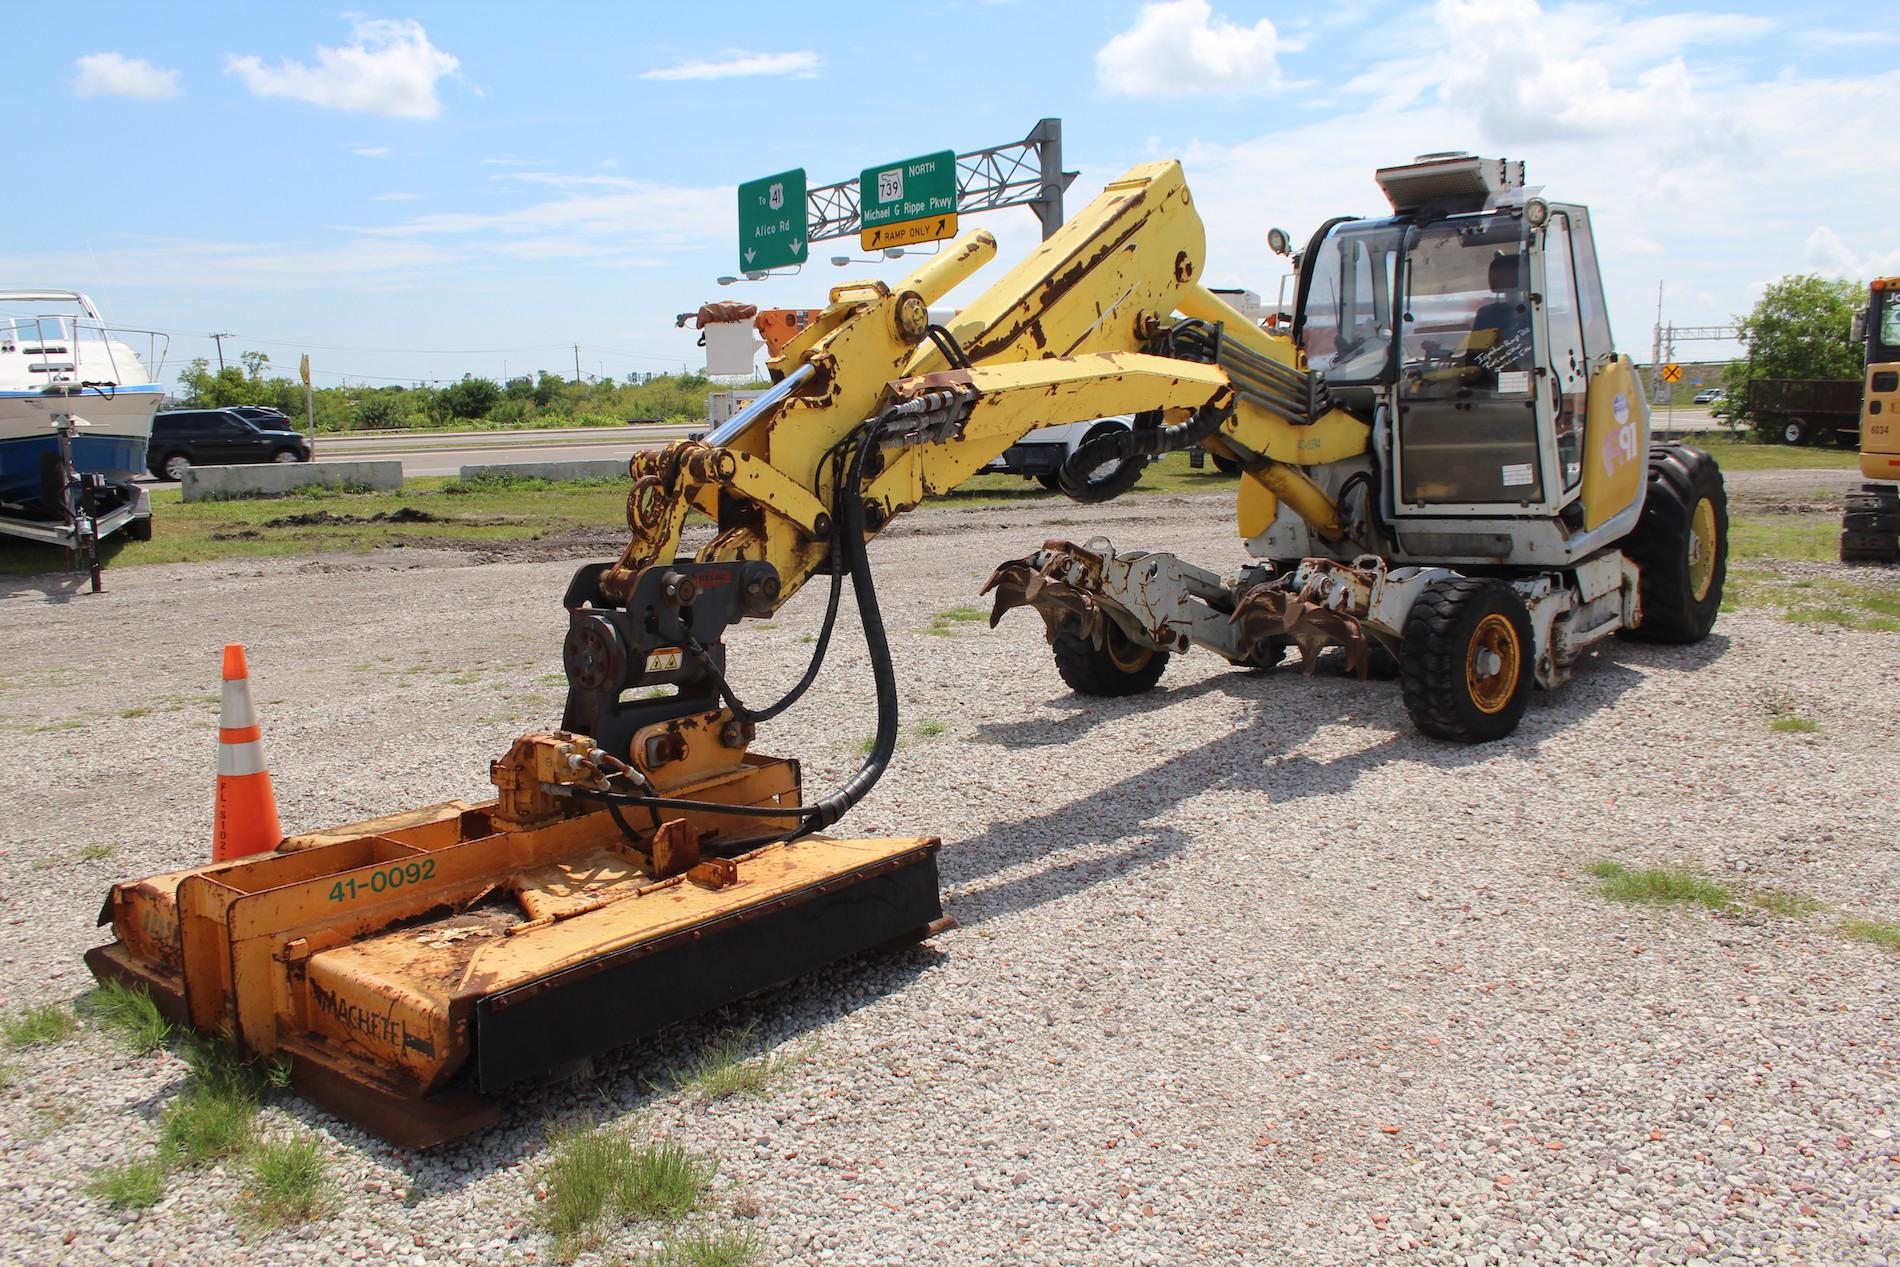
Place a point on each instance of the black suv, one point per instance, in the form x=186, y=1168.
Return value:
x=184, y=438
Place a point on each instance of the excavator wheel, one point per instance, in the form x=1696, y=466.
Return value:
x=1465, y=662
x=1681, y=545
x=1870, y=529
x=1118, y=668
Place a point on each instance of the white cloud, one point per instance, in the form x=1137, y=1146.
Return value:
x=1695, y=177
x=388, y=68
x=735, y=63
x=1178, y=48
x=370, y=151
x=115, y=75
x=395, y=197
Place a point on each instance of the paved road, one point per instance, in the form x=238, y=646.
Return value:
x=445, y=453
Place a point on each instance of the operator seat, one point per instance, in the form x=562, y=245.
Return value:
x=1504, y=321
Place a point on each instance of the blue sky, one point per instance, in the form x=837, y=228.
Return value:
x=418, y=192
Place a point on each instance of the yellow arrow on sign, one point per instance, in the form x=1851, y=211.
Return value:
x=904, y=232
x=1672, y=373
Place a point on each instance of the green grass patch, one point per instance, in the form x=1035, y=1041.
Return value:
x=137, y=1185
x=96, y=852
x=722, y=1070
x=218, y=1067
x=1783, y=903
x=1747, y=454
x=947, y=624
x=314, y=522
x=131, y=1014
x=204, y=1125
x=37, y=1026
x=288, y=1182
x=708, y=1247
x=1794, y=725
x=1660, y=886
x=201, y=1126
x=929, y=728
x=1881, y=932
x=1800, y=536
x=597, y=1179
x=1814, y=600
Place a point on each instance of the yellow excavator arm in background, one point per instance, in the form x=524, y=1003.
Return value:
x=1058, y=339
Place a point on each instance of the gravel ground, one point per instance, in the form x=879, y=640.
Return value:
x=1247, y=972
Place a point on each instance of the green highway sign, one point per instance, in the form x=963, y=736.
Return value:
x=772, y=222
x=922, y=188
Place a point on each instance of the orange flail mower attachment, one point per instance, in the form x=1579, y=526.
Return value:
x=409, y=966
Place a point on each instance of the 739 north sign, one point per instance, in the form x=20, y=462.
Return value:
x=911, y=201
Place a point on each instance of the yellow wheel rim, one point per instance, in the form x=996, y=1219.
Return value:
x=1124, y=654
x=1702, y=545
x=1491, y=663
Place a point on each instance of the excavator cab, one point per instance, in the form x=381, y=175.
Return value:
x=1471, y=326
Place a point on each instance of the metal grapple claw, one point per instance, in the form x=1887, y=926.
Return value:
x=1268, y=611
x=1062, y=581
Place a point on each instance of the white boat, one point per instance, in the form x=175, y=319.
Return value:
x=60, y=364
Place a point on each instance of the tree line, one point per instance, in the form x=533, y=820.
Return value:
x=471, y=402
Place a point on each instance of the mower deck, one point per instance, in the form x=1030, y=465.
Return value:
x=409, y=966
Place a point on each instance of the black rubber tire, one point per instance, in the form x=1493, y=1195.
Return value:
x=164, y=463
x=1795, y=431
x=1870, y=547
x=139, y=529
x=1050, y=482
x=279, y=456
x=1226, y=466
x=1871, y=521
x=1442, y=637
x=1077, y=485
x=1121, y=669
x=1681, y=478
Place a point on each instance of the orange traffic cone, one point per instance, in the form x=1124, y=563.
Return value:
x=246, y=818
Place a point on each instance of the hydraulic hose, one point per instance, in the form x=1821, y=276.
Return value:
x=849, y=542
x=851, y=525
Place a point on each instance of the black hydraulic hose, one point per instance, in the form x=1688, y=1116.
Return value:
x=797, y=692
x=851, y=526
x=947, y=344
x=849, y=517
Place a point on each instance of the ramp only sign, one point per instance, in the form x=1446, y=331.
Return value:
x=911, y=201
x=772, y=222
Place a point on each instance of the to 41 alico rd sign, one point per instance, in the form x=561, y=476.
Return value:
x=772, y=222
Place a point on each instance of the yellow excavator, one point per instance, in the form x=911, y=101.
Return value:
x=1870, y=525
x=1445, y=468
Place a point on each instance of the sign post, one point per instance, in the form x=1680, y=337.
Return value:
x=910, y=201
x=309, y=404
x=772, y=222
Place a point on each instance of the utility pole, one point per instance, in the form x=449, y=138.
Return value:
x=577, y=362
x=219, y=340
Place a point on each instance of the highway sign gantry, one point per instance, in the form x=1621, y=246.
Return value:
x=772, y=222
x=910, y=201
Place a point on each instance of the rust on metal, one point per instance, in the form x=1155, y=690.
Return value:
x=714, y=873
x=1062, y=582
x=1312, y=616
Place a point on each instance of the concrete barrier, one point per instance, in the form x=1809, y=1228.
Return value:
x=577, y=469
x=276, y=479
